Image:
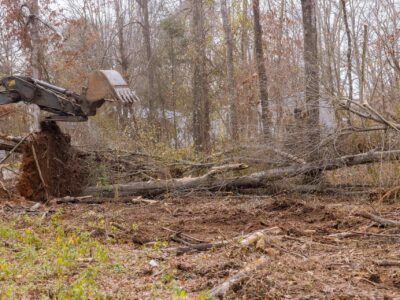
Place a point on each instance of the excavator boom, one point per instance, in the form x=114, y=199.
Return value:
x=66, y=105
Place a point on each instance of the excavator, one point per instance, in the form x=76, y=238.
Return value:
x=65, y=105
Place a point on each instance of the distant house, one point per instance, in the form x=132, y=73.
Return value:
x=296, y=104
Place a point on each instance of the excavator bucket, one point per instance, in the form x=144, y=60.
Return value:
x=108, y=85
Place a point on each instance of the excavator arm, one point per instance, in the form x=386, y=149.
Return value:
x=6, y=98
x=66, y=105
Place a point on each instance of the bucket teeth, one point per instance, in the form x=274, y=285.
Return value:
x=125, y=95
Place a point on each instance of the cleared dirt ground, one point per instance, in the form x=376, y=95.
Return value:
x=307, y=259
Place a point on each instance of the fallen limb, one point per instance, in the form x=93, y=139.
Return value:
x=377, y=219
x=73, y=200
x=358, y=233
x=388, y=263
x=246, y=240
x=210, y=182
x=39, y=170
x=221, y=290
x=196, y=247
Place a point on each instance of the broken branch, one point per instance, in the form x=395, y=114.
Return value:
x=377, y=219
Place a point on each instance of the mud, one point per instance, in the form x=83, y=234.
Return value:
x=55, y=171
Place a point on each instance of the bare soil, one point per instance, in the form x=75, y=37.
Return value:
x=56, y=171
x=305, y=260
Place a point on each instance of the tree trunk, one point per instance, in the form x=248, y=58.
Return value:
x=262, y=73
x=124, y=61
x=37, y=59
x=349, y=51
x=124, y=110
x=312, y=84
x=244, y=38
x=144, y=5
x=230, y=71
x=173, y=89
x=201, y=105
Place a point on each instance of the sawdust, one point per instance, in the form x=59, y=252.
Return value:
x=55, y=171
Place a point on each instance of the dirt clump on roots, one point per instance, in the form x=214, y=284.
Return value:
x=51, y=167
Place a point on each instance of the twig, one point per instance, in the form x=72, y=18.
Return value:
x=395, y=236
x=69, y=199
x=348, y=234
x=15, y=148
x=3, y=187
x=196, y=247
x=118, y=226
x=40, y=173
x=289, y=252
x=389, y=193
x=369, y=281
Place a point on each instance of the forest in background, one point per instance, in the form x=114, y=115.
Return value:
x=217, y=74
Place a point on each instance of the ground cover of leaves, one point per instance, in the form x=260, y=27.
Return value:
x=119, y=250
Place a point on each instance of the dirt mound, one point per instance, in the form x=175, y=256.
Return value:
x=50, y=166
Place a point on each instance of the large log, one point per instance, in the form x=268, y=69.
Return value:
x=210, y=182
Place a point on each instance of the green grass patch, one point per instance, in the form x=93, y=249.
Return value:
x=43, y=260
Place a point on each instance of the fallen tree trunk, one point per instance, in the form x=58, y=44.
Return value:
x=255, y=180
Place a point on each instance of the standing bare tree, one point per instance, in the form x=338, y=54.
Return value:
x=37, y=55
x=262, y=73
x=144, y=6
x=244, y=38
x=201, y=105
x=230, y=70
x=349, y=50
x=312, y=85
x=123, y=56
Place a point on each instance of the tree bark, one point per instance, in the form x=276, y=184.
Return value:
x=244, y=38
x=123, y=57
x=230, y=71
x=125, y=112
x=312, y=82
x=262, y=73
x=144, y=5
x=349, y=50
x=37, y=58
x=201, y=105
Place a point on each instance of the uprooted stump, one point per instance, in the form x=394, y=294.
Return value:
x=51, y=167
